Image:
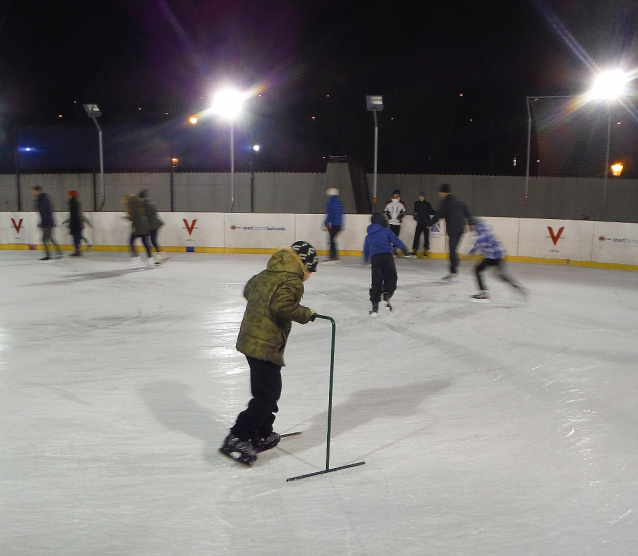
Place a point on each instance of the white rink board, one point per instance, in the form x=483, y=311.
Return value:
x=309, y=227
x=615, y=242
x=506, y=230
x=572, y=239
x=18, y=227
x=190, y=229
x=258, y=231
x=111, y=228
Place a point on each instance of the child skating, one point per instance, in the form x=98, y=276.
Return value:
x=493, y=254
x=273, y=303
x=378, y=248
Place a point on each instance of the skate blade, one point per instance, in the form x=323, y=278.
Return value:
x=236, y=456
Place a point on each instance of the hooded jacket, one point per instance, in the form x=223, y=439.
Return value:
x=380, y=238
x=273, y=303
x=395, y=211
x=334, y=211
x=486, y=242
x=137, y=216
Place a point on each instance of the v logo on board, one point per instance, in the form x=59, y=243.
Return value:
x=17, y=226
x=190, y=227
x=555, y=237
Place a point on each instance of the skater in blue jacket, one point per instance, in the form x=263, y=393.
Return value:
x=493, y=254
x=378, y=248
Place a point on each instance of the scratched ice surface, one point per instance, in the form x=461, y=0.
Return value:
x=500, y=428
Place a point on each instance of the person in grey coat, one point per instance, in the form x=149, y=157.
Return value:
x=44, y=206
x=140, y=228
x=155, y=222
x=456, y=214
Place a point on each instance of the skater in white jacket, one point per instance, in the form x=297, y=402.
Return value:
x=395, y=211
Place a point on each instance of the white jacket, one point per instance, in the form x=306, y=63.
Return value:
x=395, y=211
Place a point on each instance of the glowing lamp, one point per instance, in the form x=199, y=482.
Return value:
x=228, y=103
x=609, y=85
x=616, y=169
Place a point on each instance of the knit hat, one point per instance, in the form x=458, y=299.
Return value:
x=307, y=254
x=379, y=218
x=332, y=191
x=445, y=188
x=422, y=194
x=143, y=193
x=73, y=193
x=396, y=191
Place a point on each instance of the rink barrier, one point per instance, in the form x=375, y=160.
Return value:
x=608, y=245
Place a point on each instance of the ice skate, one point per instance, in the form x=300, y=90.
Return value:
x=411, y=254
x=374, y=313
x=262, y=444
x=451, y=278
x=522, y=292
x=481, y=297
x=386, y=298
x=47, y=258
x=241, y=451
x=134, y=262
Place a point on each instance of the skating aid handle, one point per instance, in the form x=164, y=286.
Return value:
x=332, y=368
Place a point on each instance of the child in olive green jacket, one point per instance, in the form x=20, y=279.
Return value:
x=274, y=297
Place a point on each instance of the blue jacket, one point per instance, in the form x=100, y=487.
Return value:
x=486, y=243
x=334, y=211
x=380, y=239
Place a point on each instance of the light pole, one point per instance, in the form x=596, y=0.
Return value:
x=608, y=86
x=255, y=150
x=227, y=104
x=375, y=104
x=93, y=112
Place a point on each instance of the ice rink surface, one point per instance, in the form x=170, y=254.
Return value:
x=505, y=428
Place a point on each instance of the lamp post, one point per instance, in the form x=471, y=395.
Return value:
x=608, y=86
x=227, y=104
x=375, y=104
x=93, y=112
x=255, y=150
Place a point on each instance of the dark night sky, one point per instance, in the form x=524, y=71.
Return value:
x=313, y=59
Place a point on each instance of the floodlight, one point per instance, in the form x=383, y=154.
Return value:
x=609, y=85
x=92, y=110
x=228, y=103
x=374, y=102
x=256, y=148
x=193, y=120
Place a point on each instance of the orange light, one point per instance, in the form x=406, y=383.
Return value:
x=174, y=162
x=193, y=120
x=616, y=169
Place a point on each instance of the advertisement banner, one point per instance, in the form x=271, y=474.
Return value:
x=258, y=231
x=191, y=230
x=615, y=242
x=556, y=239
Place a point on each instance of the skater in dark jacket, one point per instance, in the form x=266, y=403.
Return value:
x=493, y=255
x=423, y=213
x=76, y=225
x=455, y=213
x=47, y=222
x=154, y=224
x=274, y=297
x=378, y=247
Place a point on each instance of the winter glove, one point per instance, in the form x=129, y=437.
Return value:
x=313, y=315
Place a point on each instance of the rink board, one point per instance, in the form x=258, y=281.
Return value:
x=529, y=240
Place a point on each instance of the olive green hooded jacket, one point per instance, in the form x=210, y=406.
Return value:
x=273, y=303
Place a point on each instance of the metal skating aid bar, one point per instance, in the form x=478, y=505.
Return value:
x=332, y=366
